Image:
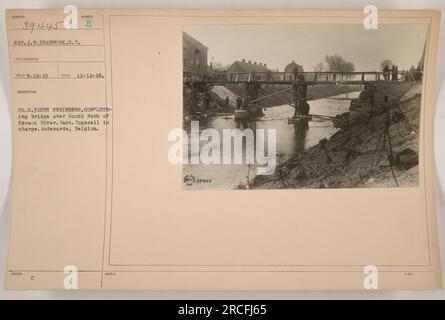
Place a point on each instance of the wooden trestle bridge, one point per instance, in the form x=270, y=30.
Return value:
x=298, y=82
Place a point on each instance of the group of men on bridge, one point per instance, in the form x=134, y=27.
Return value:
x=393, y=74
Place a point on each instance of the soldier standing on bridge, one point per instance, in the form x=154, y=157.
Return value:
x=412, y=74
x=394, y=73
x=239, y=103
x=418, y=73
x=386, y=73
x=207, y=100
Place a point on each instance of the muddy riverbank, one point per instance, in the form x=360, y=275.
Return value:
x=376, y=146
x=290, y=138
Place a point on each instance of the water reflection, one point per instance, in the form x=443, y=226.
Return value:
x=291, y=137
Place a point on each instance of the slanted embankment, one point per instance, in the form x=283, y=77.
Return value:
x=211, y=102
x=377, y=146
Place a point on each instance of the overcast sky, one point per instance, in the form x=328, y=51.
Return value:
x=277, y=45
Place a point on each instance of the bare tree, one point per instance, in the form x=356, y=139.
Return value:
x=338, y=63
x=319, y=67
x=386, y=62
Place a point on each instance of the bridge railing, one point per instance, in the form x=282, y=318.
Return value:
x=313, y=77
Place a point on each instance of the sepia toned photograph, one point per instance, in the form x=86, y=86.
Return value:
x=315, y=106
x=126, y=124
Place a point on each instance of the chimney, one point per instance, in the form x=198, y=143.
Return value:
x=250, y=61
x=261, y=63
x=265, y=65
x=243, y=60
x=254, y=62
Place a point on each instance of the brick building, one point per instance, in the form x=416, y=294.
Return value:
x=293, y=67
x=247, y=66
x=194, y=55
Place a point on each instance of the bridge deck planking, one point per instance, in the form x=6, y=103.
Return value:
x=301, y=78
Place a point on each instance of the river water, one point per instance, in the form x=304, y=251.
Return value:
x=290, y=138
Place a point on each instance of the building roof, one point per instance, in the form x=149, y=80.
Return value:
x=191, y=40
x=249, y=66
x=291, y=67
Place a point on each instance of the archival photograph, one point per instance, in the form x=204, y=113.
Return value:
x=301, y=106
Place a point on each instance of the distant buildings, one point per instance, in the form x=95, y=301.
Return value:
x=247, y=66
x=195, y=61
x=293, y=67
x=194, y=55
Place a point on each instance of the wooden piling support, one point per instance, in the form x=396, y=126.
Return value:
x=299, y=92
x=296, y=98
x=250, y=93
